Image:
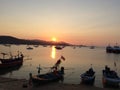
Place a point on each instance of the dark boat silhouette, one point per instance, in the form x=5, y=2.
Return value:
x=29, y=48
x=11, y=61
x=88, y=77
x=36, y=46
x=54, y=75
x=115, y=49
x=110, y=78
x=59, y=47
x=109, y=49
x=92, y=47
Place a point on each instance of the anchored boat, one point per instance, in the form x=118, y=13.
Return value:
x=11, y=61
x=110, y=78
x=88, y=77
x=55, y=74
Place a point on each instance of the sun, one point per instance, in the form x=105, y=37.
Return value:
x=54, y=39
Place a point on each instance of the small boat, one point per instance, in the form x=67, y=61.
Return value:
x=7, y=45
x=59, y=47
x=115, y=49
x=11, y=61
x=36, y=46
x=110, y=78
x=48, y=77
x=54, y=75
x=92, y=47
x=109, y=49
x=9, y=70
x=29, y=48
x=88, y=77
x=44, y=45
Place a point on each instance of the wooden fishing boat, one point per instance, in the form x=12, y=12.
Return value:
x=54, y=75
x=48, y=77
x=88, y=77
x=11, y=62
x=110, y=78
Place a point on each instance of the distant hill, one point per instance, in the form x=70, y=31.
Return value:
x=14, y=40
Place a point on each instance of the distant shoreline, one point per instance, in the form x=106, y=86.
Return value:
x=14, y=40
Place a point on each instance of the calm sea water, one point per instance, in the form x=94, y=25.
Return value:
x=77, y=61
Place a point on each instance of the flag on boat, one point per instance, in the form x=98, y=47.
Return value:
x=58, y=62
x=63, y=58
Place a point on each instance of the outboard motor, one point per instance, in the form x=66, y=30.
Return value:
x=62, y=70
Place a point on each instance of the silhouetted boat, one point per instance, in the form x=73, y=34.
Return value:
x=115, y=49
x=59, y=47
x=47, y=78
x=88, y=77
x=92, y=47
x=44, y=45
x=54, y=75
x=11, y=61
x=7, y=45
x=29, y=48
x=36, y=46
x=110, y=78
x=109, y=49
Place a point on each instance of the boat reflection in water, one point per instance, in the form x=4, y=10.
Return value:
x=9, y=70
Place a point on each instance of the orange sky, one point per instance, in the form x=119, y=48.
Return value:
x=87, y=22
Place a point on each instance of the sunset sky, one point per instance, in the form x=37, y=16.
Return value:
x=90, y=22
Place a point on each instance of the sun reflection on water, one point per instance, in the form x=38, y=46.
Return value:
x=53, y=52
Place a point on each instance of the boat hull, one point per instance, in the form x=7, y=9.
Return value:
x=9, y=65
x=47, y=78
x=87, y=79
x=110, y=80
x=115, y=49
